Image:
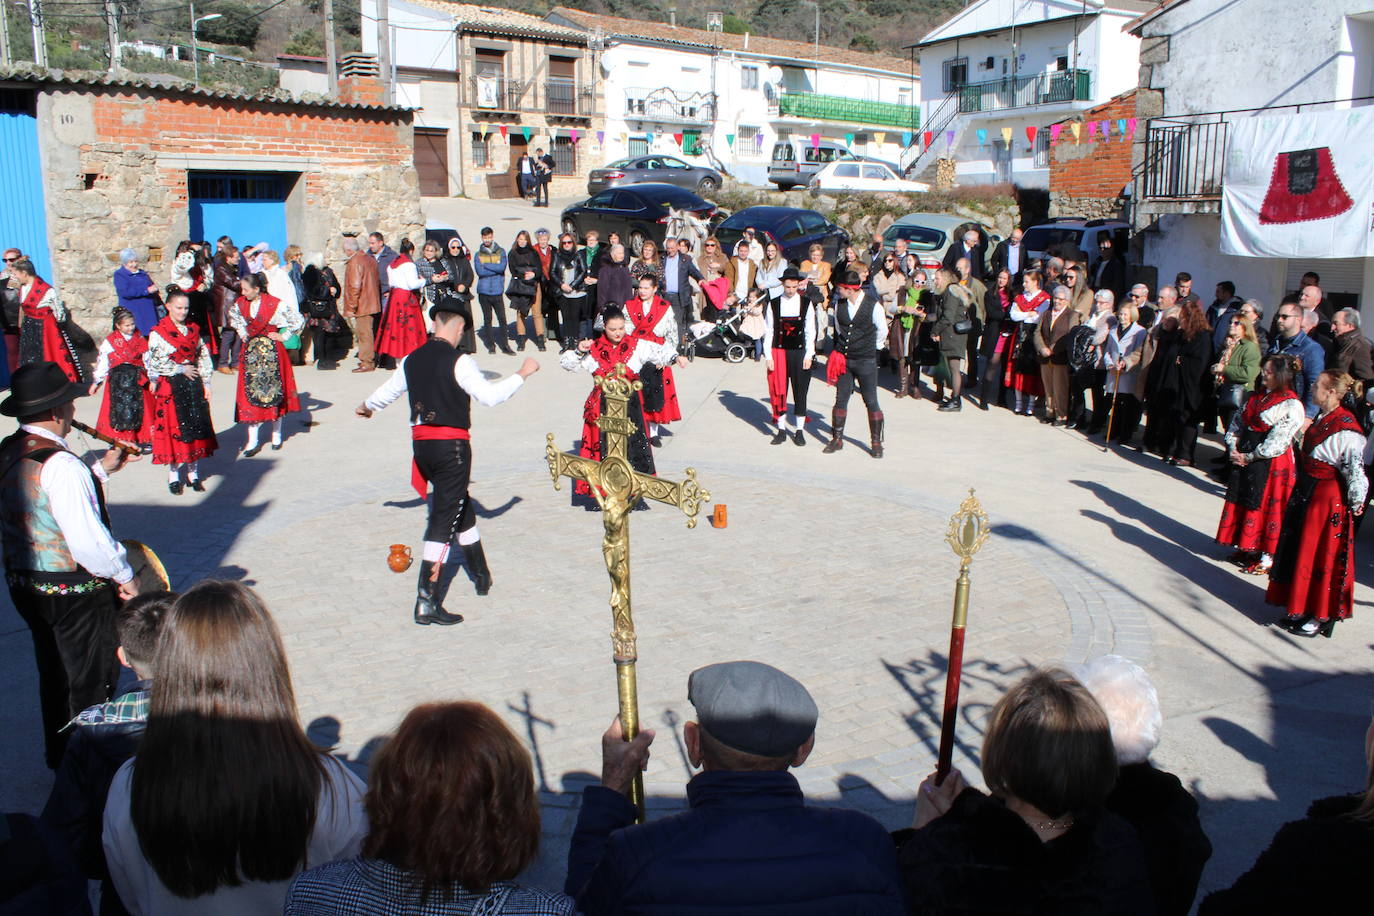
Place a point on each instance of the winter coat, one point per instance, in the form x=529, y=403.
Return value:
x=952, y=306
x=227, y=288
x=490, y=264
x=132, y=290
x=748, y=844
x=1165, y=818
x=981, y=859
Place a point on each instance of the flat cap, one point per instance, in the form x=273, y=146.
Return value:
x=752, y=707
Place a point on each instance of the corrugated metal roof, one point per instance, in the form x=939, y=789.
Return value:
x=757, y=44
x=497, y=19
x=171, y=84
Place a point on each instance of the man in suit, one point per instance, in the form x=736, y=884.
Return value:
x=1009, y=255
x=1109, y=270
x=971, y=247
x=544, y=166
x=362, y=301
x=678, y=272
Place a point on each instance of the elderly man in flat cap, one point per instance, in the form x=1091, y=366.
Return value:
x=748, y=843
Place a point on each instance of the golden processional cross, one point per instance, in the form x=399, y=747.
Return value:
x=618, y=488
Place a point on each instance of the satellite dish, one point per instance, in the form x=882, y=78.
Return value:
x=775, y=74
x=769, y=92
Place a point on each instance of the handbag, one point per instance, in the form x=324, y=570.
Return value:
x=318, y=308
x=1231, y=396
x=962, y=327
x=520, y=287
x=292, y=342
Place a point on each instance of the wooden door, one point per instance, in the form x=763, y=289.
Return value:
x=431, y=161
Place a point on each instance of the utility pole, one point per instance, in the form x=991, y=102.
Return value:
x=331, y=63
x=40, y=41
x=4, y=34
x=112, y=24
x=384, y=47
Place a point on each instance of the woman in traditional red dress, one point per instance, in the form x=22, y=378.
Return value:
x=1259, y=443
x=599, y=357
x=403, y=322
x=42, y=314
x=126, y=411
x=1314, y=566
x=649, y=317
x=179, y=370
x=267, y=385
x=1022, y=373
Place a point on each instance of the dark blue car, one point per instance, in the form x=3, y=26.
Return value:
x=637, y=212
x=794, y=229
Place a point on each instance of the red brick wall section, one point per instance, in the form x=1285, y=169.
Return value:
x=1096, y=169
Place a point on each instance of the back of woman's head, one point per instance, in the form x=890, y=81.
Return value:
x=1192, y=320
x=451, y=799
x=223, y=747
x=1049, y=744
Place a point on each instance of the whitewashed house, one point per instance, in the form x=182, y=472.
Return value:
x=724, y=100
x=999, y=66
x=1207, y=68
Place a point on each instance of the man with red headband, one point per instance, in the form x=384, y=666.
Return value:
x=860, y=331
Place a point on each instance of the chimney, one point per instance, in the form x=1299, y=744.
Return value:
x=746, y=41
x=672, y=17
x=359, y=81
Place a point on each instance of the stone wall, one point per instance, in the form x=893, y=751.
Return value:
x=117, y=163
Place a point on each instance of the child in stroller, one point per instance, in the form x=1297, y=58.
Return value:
x=726, y=334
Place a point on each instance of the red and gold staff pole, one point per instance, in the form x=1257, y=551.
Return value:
x=968, y=530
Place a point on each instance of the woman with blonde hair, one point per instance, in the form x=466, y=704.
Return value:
x=648, y=264
x=227, y=799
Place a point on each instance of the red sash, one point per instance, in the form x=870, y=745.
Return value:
x=1338, y=420
x=644, y=323
x=127, y=351
x=185, y=344
x=267, y=308
x=1259, y=403
x=37, y=291
x=1033, y=303
x=423, y=433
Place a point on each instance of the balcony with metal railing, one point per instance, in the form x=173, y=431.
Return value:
x=1046, y=88
x=492, y=93
x=819, y=107
x=667, y=106
x=566, y=98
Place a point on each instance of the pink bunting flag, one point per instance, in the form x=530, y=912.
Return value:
x=815, y=141
x=574, y=134
x=1130, y=127
x=1055, y=131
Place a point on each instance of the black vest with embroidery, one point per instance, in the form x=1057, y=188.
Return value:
x=435, y=398
x=855, y=333
x=790, y=333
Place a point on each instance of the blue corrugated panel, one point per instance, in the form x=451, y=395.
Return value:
x=23, y=223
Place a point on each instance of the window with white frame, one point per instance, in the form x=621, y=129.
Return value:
x=747, y=142
x=954, y=73
x=749, y=77
x=1040, y=151
x=638, y=146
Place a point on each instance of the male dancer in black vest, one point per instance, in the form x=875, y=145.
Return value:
x=860, y=330
x=440, y=379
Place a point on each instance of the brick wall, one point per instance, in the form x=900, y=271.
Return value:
x=1086, y=177
x=116, y=176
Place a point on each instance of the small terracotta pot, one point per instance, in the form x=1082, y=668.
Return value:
x=718, y=517
x=399, y=559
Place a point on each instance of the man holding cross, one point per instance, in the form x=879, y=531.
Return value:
x=441, y=380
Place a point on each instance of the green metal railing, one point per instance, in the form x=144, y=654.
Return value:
x=1026, y=91
x=853, y=111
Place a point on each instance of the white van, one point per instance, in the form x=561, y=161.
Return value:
x=795, y=160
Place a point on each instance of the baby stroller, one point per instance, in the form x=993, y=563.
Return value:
x=721, y=338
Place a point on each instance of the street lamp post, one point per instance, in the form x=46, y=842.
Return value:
x=195, y=49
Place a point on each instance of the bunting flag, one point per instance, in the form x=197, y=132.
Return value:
x=929, y=137
x=758, y=141
x=879, y=136
x=949, y=139
x=906, y=139
x=1130, y=127
x=649, y=139
x=600, y=137
x=848, y=139
x=624, y=139
x=1076, y=128
x=573, y=132
x=1055, y=131
x=1121, y=127
x=527, y=132
x=677, y=138
x=502, y=128
x=1092, y=130
x=730, y=140
x=1106, y=129
x=1006, y=137
x=1031, y=131
x=982, y=138
x=815, y=141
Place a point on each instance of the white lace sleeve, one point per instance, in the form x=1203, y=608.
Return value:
x=158, y=359
x=102, y=362
x=577, y=361
x=204, y=365
x=1351, y=467
x=1286, y=423
x=288, y=318
x=238, y=322
x=54, y=304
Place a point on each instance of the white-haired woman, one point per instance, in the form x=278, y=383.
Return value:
x=320, y=308
x=136, y=290
x=1154, y=802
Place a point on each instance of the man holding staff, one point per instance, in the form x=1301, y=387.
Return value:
x=441, y=380
x=66, y=572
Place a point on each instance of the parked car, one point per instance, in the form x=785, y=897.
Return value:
x=1066, y=235
x=655, y=170
x=439, y=234
x=795, y=230
x=637, y=212
x=795, y=160
x=844, y=175
x=929, y=235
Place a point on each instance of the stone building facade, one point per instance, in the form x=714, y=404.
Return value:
x=127, y=163
x=1087, y=178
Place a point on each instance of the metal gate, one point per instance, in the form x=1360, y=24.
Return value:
x=23, y=221
x=249, y=207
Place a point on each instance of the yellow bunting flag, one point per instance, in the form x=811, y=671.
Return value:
x=879, y=137
x=1076, y=127
x=1006, y=136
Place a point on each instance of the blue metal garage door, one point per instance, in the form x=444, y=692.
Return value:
x=23, y=223
x=249, y=207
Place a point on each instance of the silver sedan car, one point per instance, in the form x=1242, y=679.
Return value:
x=653, y=168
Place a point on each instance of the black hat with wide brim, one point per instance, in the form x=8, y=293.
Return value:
x=37, y=387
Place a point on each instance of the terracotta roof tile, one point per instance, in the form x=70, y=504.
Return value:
x=499, y=19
